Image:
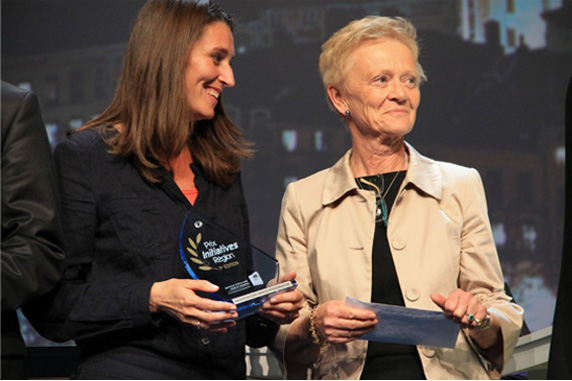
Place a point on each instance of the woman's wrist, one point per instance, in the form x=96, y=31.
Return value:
x=485, y=333
x=315, y=336
x=485, y=324
x=154, y=296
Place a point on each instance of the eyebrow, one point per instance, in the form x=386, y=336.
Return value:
x=224, y=51
x=392, y=73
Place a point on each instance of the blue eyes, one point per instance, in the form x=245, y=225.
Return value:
x=410, y=82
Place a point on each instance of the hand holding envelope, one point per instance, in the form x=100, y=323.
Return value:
x=401, y=325
x=337, y=323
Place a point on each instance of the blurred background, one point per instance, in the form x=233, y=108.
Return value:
x=497, y=69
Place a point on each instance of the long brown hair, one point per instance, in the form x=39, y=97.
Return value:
x=150, y=101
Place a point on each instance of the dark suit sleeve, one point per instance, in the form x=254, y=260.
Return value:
x=32, y=243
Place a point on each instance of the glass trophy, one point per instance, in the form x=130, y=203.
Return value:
x=246, y=276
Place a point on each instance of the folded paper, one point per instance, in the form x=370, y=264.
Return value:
x=412, y=326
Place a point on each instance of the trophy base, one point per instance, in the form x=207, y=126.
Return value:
x=247, y=304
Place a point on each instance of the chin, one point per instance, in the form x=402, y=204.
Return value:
x=208, y=116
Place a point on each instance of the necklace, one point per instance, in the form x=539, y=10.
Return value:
x=381, y=205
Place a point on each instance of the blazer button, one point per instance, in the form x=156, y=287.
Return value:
x=428, y=352
x=205, y=341
x=412, y=294
x=398, y=243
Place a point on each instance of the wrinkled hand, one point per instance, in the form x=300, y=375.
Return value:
x=459, y=305
x=284, y=307
x=178, y=298
x=337, y=323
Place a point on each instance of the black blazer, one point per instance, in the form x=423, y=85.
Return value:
x=122, y=235
x=32, y=242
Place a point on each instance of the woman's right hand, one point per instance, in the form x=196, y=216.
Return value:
x=178, y=298
x=337, y=323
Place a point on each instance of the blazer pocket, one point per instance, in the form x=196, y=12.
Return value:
x=138, y=225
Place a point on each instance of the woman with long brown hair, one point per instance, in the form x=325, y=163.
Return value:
x=128, y=179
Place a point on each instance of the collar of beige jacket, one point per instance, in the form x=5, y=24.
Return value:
x=424, y=173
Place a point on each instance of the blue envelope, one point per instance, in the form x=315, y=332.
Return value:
x=412, y=326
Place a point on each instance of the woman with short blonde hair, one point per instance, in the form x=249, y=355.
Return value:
x=388, y=225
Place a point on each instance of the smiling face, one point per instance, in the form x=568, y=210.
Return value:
x=208, y=70
x=381, y=89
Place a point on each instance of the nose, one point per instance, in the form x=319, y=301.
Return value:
x=397, y=91
x=226, y=76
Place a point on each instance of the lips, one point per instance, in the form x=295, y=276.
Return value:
x=399, y=111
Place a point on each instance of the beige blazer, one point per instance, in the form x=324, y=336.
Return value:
x=440, y=239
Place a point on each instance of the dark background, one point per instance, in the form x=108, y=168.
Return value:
x=494, y=101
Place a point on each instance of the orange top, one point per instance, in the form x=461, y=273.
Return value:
x=191, y=194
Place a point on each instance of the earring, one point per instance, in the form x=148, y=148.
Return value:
x=347, y=113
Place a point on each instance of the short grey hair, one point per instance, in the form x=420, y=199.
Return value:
x=338, y=47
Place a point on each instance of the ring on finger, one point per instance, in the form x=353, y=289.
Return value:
x=199, y=325
x=470, y=317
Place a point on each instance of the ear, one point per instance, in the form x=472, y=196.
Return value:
x=337, y=99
